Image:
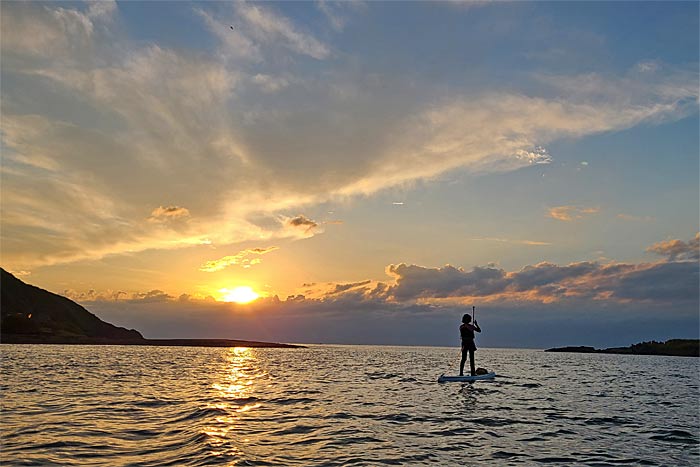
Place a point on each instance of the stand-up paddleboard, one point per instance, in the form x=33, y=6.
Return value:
x=465, y=379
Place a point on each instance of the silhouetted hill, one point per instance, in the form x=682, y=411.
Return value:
x=673, y=347
x=40, y=315
x=30, y=315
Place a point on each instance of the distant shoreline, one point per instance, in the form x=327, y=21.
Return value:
x=670, y=348
x=28, y=339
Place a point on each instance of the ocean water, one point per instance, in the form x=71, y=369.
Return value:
x=343, y=405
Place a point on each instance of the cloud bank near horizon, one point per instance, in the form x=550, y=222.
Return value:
x=162, y=147
x=626, y=297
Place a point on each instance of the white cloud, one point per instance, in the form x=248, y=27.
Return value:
x=235, y=45
x=269, y=27
x=648, y=66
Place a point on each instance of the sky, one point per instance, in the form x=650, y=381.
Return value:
x=370, y=171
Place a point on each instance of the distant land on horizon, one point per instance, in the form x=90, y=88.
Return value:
x=672, y=347
x=30, y=315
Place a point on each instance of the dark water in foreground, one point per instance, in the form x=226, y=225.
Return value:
x=344, y=405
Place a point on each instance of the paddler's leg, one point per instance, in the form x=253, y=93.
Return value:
x=471, y=362
x=464, y=359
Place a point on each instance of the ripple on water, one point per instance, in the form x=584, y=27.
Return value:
x=197, y=407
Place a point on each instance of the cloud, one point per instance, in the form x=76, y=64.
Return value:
x=270, y=84
x=334, y=17
x=648, y=66
x=507, y=240
x=546, y=283
x=234, y=44
x=555, y=303
x=336, y=12
x=671, y=282
x=268, y=27
x=166, y=213
x=372, y=322
x=301, y=226
x=570, y=213
x=141, y=123
x=342, y=288
x=414, y=282
x=20, y=273
x=46, y=32
x=245, y=258
x=151, y=296
x=676, y=280
x=93, y=295
x=678, y=250
x=538, y=155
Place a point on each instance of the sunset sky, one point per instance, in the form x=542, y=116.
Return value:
x=370, y=170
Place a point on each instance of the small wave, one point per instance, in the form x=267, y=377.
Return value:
x=676, y=436
x=557, y=460
x=340, y=416
x=354, y=440
x=199, y=414
x=243, y=400
x=295, y=430
x=607, y=421
x=396, y=417
x=152, y=403
x=292, y=401
x=507, y=455
x=380, y=375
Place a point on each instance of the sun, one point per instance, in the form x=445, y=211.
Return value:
x=242, y=294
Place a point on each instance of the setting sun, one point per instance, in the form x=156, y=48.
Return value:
x=243, y=294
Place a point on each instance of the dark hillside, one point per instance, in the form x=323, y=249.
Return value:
x=672, y=347
x=31, y=311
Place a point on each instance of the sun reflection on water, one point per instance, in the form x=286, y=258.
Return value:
x=233, y=395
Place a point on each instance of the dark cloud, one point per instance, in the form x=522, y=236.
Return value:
x=545, y=282
x=375, y=321
x=165, y=213
x=662, y=282
x=543, y=274
x=339, y=288
x=302, y=221
x=301, y=226
x=414, y=281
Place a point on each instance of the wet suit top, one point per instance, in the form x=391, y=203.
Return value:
x=466, y=331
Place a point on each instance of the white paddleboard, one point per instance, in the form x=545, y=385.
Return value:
x=451, y=379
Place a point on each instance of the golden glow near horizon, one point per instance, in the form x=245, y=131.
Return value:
x=242, y=295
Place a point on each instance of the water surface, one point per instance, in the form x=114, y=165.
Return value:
x=343, y=405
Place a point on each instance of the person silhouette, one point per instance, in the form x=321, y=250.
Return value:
x=466, y=332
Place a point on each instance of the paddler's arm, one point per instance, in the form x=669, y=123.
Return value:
x=476, y=327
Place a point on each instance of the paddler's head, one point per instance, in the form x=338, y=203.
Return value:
x=466, y=318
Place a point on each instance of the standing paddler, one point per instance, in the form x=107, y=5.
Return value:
x=466, y=332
